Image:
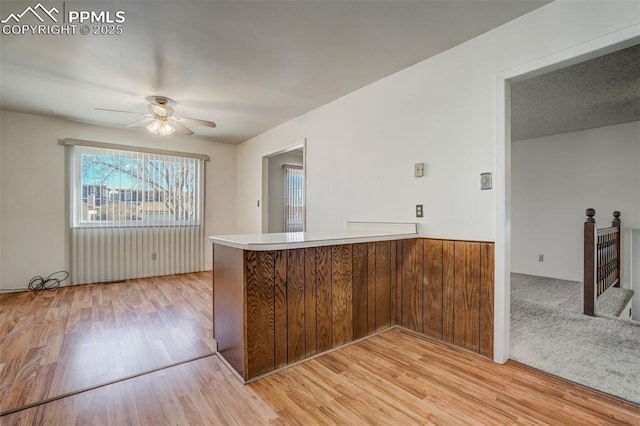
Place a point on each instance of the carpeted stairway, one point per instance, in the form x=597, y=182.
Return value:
x=549, y=332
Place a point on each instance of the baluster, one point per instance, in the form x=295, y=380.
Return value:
x=618, y=224
x=591, y=252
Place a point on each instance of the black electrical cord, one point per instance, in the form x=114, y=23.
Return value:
x=54, y=280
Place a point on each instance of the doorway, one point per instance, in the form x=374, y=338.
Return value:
x=509, y=218
x=284, y=190
x=583, y=52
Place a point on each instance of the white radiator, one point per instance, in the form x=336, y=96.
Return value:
x=115, y=254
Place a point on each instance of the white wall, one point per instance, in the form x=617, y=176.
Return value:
x=555, y=179
x=1, y=201
x=34, y=213
x=635, y=273
x=361, y=148
x=276, y=187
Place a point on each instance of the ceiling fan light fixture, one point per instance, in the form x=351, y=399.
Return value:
x=160, y=126
x=160, y=119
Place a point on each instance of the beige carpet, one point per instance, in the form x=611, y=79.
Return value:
x=549, y=332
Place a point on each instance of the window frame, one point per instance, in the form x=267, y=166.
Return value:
x=76, y=184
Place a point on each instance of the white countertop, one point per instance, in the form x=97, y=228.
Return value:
x=293, y=240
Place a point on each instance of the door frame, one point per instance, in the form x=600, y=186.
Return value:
x=264, y=208
x=585, y=51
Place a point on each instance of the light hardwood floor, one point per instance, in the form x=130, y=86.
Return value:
x=393, y=378
x=72, y=338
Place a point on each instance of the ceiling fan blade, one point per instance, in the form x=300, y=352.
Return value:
x=195, y=121
x=117, y=110
x=139, y=122
x=180, y=128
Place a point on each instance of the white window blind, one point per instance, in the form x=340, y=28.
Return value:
x=134, y=214
x=293, y=198
x=116, y=188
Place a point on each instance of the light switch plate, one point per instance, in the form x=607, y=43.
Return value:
x=418, y=169
x=486, y=181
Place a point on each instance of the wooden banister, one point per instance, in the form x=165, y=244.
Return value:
x=617, y=223
x=601, y=259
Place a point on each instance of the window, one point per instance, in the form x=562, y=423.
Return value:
x=125, y=188
x=293, y=199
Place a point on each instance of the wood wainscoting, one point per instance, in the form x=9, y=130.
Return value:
x=446, y=291
x=301, y=302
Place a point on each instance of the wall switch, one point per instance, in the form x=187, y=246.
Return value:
x=418, y=169
x=541, y=258
x=419, y=210
x=486, y=181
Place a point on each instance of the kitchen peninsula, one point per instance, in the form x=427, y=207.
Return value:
x=280, y=298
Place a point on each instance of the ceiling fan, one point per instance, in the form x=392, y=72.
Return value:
x=160, y=119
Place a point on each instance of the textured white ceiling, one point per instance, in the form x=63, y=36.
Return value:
x=247, y=65
x=599, y=92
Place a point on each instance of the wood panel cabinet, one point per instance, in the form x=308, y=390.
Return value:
x=273, y=308
x=299, y=302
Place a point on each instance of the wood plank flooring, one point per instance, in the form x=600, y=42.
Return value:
x=76, y=337
x=391, y=378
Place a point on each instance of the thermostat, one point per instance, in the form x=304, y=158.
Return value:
x=486, y=181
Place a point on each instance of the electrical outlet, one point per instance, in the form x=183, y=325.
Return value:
x=419, y=210
x=154, y=256
x=541, y=258
x=418, y=169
